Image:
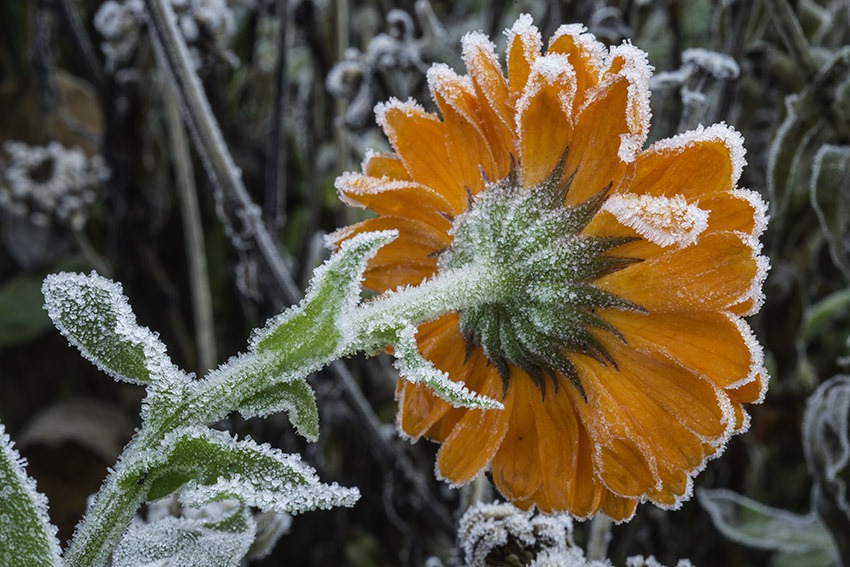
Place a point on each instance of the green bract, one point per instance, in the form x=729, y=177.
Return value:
x=546, y=267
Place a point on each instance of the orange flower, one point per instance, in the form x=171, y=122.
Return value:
x=640, y=337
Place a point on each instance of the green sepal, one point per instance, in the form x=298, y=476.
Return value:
x=95, y=316
x=415, y=368
x=184, y=542
x=27, y=536
x=310, y=331
x=207, y=465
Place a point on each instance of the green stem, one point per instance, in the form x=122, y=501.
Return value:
x=375, y=323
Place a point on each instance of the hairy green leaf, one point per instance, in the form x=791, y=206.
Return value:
x=830, y=195
x=185, y=542
x=95, y=316
x=26, y=535
x=208, y=465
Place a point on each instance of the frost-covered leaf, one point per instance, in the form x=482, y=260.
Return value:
x=414, y=367
x=95, y=316
x=314, y=325
x=294, y=397
x=208, y=465
x=750, y=523
x=26, y=535
x=830, y=194
x=185, y=542
x=826, y=444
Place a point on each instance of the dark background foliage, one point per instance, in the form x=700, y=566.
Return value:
x=295, y=117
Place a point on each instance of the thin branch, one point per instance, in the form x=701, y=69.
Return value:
x=193, y=237
x=173, y=55
x=276, y=148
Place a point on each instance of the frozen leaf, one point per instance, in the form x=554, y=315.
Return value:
x=414, y=367
x=750, y=523
x=28, y=537
x=95, y=316
x=313, y=325
x=826, y=444
x=208, y=465
x=294, y=397
x=184, y=542
x=831, y=200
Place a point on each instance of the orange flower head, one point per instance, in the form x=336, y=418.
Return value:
x=618, y=346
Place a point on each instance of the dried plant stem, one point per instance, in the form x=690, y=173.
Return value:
x=193, y=237
x=600, y=535
x=173, y=55
x=792, y=34
x=276, y=148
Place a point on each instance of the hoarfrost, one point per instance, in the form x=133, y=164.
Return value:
x=637, y=71
x=95, y=316
x=641, y=561
x=414, y=368
x=524, y=29
x=553, y=69
x=26, y=532
x=185, y=542
x=487, y=529
x=661, y=220
x=722, y=133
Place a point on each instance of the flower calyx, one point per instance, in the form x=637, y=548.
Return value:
x=545, y=265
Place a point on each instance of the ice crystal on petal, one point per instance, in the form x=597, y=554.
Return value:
x=661, y=220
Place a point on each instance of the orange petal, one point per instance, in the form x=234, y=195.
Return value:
x=468, y=149
x=407, y=260
x=491, y=89
x=584, y=53
x=618, y=508
x=475, y=439
x=714, y=344
x=585, y=492
x=384, y=165
x=524, y=45
x=720, y=270
x=392, y=197
x=610, y=128
x=751, y=392
x=419, y=138
x=516, y=467
x=558, y=440
x=739, y=210
x=543, y=117
x=692, y=164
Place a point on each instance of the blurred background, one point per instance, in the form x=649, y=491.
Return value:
x=97, y=172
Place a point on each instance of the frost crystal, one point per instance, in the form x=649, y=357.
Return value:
x=49, y=183
x=28, y=537
x=491, y=531
x=661, y=220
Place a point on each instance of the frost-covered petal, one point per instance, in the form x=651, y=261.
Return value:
x=713, y=274
x=385, y=164
x=467, y=146
x=584, y=53
x=543, y=115
x=491, y=90
x=393, y=197
x=419, y=139
x=524, y=45
x=516, y=466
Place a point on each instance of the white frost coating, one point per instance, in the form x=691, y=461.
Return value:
x=637, y=71
x=759, y=206
x=19, y=495
x=718, y=65
x=755, y=293
x=184, y=542
x=720, y=132
x=409, y=107
x=443, y=80
x=524, y=27
x=359, y=184
x=664, y=221
x=267, y=490
x=756, y=358
x=594, y=51
x=554, y=69
x=486, y=527
x=414, y=368
x=65, y=294
x=651, y=561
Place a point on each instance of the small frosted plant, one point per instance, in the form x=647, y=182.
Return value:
x=565, y=307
